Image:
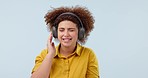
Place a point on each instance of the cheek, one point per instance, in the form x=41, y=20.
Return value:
x=74, y=34
x=59, y=35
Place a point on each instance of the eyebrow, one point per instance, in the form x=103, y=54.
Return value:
x=64, y=28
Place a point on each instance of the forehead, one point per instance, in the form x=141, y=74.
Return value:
x=67, y=24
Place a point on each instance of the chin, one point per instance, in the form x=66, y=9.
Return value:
x=66, y=44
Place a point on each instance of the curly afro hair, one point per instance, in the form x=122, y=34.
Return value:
x=82, y=12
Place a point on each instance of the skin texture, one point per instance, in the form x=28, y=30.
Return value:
x=67, y=35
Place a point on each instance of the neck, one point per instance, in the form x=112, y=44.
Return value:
x=65, y=51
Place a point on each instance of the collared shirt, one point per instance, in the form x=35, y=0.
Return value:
x=82, y=63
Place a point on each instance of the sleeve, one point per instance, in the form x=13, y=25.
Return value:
x=93, y=68
x=39, y=59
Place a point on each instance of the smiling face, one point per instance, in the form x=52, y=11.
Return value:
x=67, y=33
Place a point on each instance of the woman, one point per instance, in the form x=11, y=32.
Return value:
x=71, y=26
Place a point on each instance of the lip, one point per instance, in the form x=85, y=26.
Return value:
x=66, y=39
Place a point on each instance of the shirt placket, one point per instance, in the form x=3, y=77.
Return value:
x=67, y=68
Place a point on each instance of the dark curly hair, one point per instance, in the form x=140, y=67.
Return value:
x=82, y=12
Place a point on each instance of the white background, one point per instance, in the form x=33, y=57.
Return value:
x=120, y=37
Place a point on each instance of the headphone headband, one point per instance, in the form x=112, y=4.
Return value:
x=70, y=13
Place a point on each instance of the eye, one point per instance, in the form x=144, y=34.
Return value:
x=71, y=30
x=61, y=30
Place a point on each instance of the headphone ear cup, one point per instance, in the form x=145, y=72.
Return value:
x=54, y=32
x=81, y=33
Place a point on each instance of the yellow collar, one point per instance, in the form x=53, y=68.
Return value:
x=77, y=51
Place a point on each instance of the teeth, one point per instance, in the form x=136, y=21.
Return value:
x=67, y=39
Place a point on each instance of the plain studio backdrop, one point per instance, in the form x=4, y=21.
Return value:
x=119, y=39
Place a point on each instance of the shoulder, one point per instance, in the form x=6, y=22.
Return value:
x=42, y=54
x=87, y=51
x=89, y=55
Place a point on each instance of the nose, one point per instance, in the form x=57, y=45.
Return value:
x=66, y=33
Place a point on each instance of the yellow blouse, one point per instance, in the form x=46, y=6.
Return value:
x=80, y=64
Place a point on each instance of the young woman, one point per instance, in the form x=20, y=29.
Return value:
x=71, y=26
